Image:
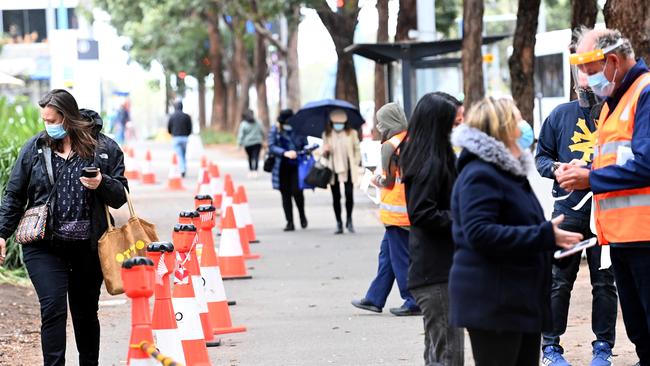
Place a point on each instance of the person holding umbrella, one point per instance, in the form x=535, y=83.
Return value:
x=341, y=147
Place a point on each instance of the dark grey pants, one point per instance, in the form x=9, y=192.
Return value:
x=444, y=345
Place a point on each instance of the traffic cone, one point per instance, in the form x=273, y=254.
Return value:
x=175, y=181
x=250, y=229
x=203, y=186
x=184, y=300
x=166, y=334
x=228, y=193
x=202, y=199
x=231, y=256
x=148, y=176
x=199, y=286
x=241, y=227
x=216, y=187
x=203, y=168
x=214, y=170
x=215, y=292
x=130, y=165
x=138, y=278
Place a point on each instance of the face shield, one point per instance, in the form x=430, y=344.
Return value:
x=589, y=87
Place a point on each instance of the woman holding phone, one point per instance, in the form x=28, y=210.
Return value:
x=80, y=170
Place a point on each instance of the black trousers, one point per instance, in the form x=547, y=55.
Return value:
x=336, y=197
x=63, y=272
x=492, y=348
x=289, y=189
x=253, y=152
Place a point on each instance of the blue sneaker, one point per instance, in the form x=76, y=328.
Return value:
x=553, y=356
x=602, y=354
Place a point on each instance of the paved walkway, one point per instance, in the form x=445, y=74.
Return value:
x=297, y=306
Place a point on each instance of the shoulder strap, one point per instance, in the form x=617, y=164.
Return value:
x=47, y=154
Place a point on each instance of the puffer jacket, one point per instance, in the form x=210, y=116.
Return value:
x=29, y=184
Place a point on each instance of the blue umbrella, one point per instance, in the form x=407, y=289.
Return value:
x=312, y=118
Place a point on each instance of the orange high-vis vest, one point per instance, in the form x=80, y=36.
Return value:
x=392, y=208
x=621, y=216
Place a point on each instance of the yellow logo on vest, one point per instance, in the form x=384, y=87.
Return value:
x=583, y=141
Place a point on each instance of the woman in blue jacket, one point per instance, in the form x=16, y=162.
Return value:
x=500, y=279
x=284, y=145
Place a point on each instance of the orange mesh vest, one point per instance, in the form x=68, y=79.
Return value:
x=621, y=216
x=392, y=208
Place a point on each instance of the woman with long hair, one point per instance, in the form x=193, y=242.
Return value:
x=500, y=279
x=64, y=266
x=428, y=168
x=341, y=147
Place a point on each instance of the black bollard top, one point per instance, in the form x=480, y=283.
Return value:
x=184, y=227
x=190, y=214
x=160, y=246
x=202, y=197
x=137, y=261
x=205, y=208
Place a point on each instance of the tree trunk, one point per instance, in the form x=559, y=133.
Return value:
x=293, y=66
x=522, y=60
x=407, y=19
x=168, y=92
x=242, y=79
x=202, y=121
x=472, y=58
x=583, y=13
x=380, y=69
x=341, y=26
x=632, y=18
x=261, y=72
x=218, y=120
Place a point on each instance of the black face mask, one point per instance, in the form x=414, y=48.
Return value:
x=586, y=97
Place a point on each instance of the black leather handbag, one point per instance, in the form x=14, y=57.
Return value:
x=319, y=175
x=269, y=162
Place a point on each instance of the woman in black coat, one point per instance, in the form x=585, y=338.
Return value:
x=500, y=279
x=65, y=265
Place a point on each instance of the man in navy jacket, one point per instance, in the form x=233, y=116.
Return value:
x=568, y=135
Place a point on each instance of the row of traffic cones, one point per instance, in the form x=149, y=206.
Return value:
x=146, y=174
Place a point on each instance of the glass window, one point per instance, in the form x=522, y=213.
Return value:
x=25, y=26
x=549, y=75
x=73, y=22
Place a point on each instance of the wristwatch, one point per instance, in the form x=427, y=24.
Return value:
x=555, y=166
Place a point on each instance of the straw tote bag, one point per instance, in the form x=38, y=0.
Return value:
x=121, y=243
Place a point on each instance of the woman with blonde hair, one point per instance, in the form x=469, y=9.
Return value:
x=503, y=244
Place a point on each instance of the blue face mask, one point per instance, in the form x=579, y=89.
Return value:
x=599, y=83
x=56, y=131
x=527, y=137
x=338, y=127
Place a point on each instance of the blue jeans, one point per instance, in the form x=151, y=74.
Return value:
x=633, y=281
x=393, y=265
x=604, y=298
x=180, y=146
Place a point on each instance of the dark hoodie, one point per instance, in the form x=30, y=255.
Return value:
x=29, y=185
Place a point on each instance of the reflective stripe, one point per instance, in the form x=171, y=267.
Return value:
x=392, y=208
x=637, y=200
x=610, y=147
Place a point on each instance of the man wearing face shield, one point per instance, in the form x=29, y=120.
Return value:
x=620, y=173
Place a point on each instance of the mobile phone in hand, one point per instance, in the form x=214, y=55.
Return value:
x=89, y=172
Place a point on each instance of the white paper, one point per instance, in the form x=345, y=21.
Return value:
x=366, y=186
x=370, y=153
x=623, y=154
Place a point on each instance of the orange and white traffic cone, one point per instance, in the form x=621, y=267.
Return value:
x=214, y=170
x=199, y=284
x=231, y=256
x=138, y=278
x=148, y=176
x=130, y=164
x=203, y=186
x=184, y=300
x=250, y=229
x=241, y=227
x=165, y=330
x=216, y=187
x=215, y=292
x=175, y=181
x=228, y=193
x=203, y=167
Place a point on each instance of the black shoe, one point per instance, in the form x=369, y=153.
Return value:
x=366, y=305
x=404, y=311
x=289, y=227
x=183, y=174
x=339, y=228
x=303, y=222
x=349, y=226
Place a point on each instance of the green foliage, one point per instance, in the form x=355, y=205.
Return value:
x=213, y=137
x=446, y=13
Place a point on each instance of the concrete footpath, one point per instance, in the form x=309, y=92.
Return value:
x=297, y=306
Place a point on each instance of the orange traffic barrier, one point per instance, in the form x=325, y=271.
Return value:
x=199, y=283
x=250, y=229
x=241, y=227
x=231, y=256
x=202, y=199
x=165, y=330
x=138, y=278
x=130, y=164
x=215, y=292
x=184, y=298
x=148, y=176
x=175, y=181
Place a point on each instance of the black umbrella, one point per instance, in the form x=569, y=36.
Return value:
x=311, y=119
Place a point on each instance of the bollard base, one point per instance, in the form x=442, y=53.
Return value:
x=247, y=277
x=214, y=343
x=232, y=302
x=254, y=241
x=227, y=330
